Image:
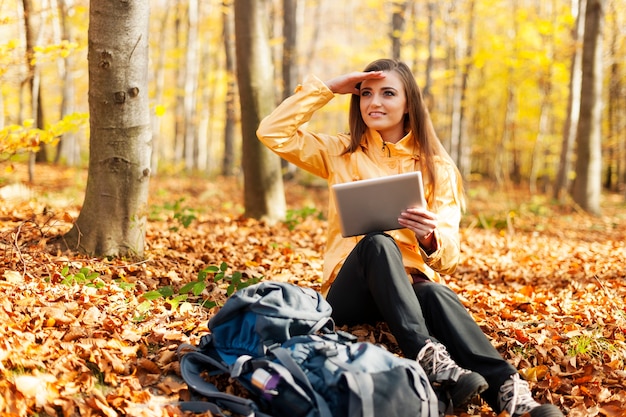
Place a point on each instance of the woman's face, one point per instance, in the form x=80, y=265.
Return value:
x=383, y=106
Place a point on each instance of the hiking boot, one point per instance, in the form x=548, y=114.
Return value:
x=461, y=385
x=515, y=397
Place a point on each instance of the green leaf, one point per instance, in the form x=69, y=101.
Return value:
x=166, y=291
x=188, y=287
x=209, y=304
x=198, y=287
x=152, y=295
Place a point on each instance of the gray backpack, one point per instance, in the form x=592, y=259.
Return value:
x=278, y=340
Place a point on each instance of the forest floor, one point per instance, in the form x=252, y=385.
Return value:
x=98, y=337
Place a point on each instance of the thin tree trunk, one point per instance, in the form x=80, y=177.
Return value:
x=538, y=162
x=264, y=196
x=204, y=106
x=573, y=107
x=33, y=81
x=191, y=86
x=398, y=22
x=68, y=148
x=459, y=148
x=290, y=46
x=179, y=112
x=588, y=183
x=159, y=89
x=428, y=83
x=614, y=107
x=228, y=162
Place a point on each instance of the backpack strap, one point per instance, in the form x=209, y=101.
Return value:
x=192, y=365
x=361, y=394
x=422, y=386
x=202, y=407
x=294, y=369
x=324, y=325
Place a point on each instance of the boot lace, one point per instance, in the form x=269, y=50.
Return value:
x=515, y=396
x=437, y=363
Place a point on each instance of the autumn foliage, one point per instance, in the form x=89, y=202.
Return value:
x=87, y=336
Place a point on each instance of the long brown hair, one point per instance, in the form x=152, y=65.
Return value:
x=416, y=120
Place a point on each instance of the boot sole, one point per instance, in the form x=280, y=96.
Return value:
x=469, y=386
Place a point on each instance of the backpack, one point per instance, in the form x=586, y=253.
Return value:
x=279, y=342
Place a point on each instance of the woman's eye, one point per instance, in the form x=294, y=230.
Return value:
x=389, y=93
x=365, y=93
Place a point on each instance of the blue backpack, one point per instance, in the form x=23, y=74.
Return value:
x=278, y=340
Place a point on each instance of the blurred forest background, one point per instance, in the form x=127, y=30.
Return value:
x=501, y=76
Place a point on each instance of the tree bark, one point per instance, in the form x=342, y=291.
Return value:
x=228, y=161
x=68, y=148
x=459, y=146
x=191, y=86
x=264, y=196
x=112, y=219
x=573, y=107
x=588, y=182
x=290, y=47
x=158, y=75
x=33, y=81
x=398, y=22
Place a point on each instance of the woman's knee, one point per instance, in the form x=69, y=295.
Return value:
x=378, y=241
x=430, y=291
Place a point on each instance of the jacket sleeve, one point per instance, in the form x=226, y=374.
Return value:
x=282, y=131
x=445, y=258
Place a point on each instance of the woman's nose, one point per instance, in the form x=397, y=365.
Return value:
x=376, y=100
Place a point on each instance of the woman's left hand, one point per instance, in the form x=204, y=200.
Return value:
x=423, y=223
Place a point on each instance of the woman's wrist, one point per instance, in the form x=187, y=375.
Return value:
x=428, y=242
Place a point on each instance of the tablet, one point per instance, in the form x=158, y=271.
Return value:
x=374, y=205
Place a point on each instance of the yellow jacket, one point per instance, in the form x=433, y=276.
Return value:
x=321, y=155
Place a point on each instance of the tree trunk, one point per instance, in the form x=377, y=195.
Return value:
x=290, y=47
x=588, y=183
x=264, y=196
x=428, y=83
x=228, y=162
x=615, y=106
x=179, y=112
x=205, y=160
x=290, y=62
x=459, y=141
x=398, y=22
x=68, y=149
x=573, y=107
x=191, y=86
x=159, y=91
x=33, y=80
x=112, y=220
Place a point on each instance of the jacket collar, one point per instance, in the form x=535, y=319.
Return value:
x=373, y=140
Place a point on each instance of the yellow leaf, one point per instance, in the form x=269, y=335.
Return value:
x=159, y=110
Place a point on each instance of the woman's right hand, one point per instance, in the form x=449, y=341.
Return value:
x=347, y=83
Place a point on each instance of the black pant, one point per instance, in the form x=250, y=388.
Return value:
x=373, y=286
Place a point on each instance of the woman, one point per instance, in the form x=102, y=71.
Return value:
x=394, y=276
